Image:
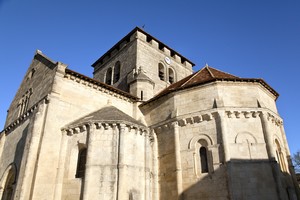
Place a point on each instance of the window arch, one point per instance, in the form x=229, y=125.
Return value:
x=171, y=75
x=81, y=163
x=117, y=69
x=202, y=148
x=279, y=156
x=9, y=183
x=203, y=158
x=108, y=76
x=161, y=71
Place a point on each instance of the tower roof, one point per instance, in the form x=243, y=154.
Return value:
x=127, y=39
x=207, y=75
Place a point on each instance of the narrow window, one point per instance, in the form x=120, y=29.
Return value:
x=81, y=163
x=203, y=160
x=171, y=75
x=117, y=72
x=142, y=95
x=108, y=76
x=161, y=72
x=280, y=157
x=23, y=104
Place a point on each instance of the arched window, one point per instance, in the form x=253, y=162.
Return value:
x=117, y=72
x=8, y=189
x=203, y=160
x=108, y=76
x=279, y=156
x=171, y=76
x=81, y=163
x=161, y=72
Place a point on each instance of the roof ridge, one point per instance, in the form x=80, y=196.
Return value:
x=223, y=72
x=192, y=77
x=207, y=67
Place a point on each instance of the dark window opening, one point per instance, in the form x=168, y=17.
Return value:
x=142, y=95
x=171, y=76
x=81, y=163
x=203, y=160
x=117, y=72
x=161, y=72
x=108, y=76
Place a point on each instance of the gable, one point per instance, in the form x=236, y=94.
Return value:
x=36, y=84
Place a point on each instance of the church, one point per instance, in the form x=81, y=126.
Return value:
x=145, y=127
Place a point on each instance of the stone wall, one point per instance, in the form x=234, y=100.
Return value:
x=149, y=56
x=127, y=58
x=69, y=101
x=36, y=84
x=139, y=53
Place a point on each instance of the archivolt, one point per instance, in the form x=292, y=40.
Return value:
x=195, y=139
x=244, y=136
x=11, y=170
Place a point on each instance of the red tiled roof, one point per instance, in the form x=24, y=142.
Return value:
x=206, y=75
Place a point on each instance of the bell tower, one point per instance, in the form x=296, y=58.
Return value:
x=141, y=65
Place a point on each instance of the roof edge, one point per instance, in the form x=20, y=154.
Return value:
x=261, y=81
x=99, y=83
x=128, y=36
x=39, y=52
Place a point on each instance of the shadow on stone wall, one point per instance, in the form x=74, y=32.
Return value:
x=19, y=153
x=243, y=179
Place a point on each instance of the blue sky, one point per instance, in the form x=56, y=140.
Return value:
x=255, y=39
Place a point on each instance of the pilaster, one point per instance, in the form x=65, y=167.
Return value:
x=147, y=165
x=61, y=167
x=90, y=176
x=224, y=133
x=155, y=186
x=121, y=191
x=178, y=159
x=264, y=116
x=33, y=151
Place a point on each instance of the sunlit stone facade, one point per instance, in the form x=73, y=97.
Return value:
x=145, y=127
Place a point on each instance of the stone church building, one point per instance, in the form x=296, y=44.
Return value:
x=145, y=127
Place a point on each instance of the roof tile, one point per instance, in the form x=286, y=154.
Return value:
x=206, y=75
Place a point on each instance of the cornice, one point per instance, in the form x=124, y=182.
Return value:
x=25, y=116
x=212, y=114
x=106, y=125
x=96, y=85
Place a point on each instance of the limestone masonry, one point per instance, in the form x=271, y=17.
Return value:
x=145, y=127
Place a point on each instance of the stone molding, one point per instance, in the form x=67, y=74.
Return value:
x=208, y=115
x=94, y=84
x=108, y=125
x=26, y=115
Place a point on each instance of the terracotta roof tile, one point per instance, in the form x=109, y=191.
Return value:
x=206, y=75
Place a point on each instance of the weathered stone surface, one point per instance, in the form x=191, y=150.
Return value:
x=210, y=135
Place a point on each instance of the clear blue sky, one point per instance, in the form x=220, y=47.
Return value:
x=255, y=39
